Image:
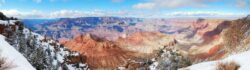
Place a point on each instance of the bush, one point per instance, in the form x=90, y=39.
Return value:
x=4, y=65
x=227, y=66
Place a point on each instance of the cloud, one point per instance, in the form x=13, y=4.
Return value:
x=36, y=14
x=204, y=14
x=62, y=13
x=40, y=14
x=144, y=6
x=11, y=12
x=171, y=4
x=19, y=14
x=66, y=13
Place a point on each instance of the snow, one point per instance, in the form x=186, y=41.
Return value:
x=38, y=36
x=59, y=53
x=153, y=66
x=56, y=52
x=242, y=59
x=60, y=58
x=71, y=67
x=13, y=56
x=12, y=22
x=26, y=32
x=3, y=22
x=121, y=68
x=204, y=66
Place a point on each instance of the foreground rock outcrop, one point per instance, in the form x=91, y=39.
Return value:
x=40, y=52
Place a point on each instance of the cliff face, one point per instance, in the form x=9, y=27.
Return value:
x=202, y=39
x=40, y=52
x=232, y=47
x=237, y=35
x=145, y=42
x=101, y=53
x=68, y=28
x=109, y=42
x=212, y=45
x=199, y=39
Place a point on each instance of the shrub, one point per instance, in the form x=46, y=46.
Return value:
x=4, y=65
x=227, y=66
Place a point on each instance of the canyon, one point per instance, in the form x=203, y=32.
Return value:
x=114, y=42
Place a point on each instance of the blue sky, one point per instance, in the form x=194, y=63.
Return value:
x=124, y=8
x=52, y=5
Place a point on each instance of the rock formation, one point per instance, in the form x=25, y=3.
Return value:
x=101, y=53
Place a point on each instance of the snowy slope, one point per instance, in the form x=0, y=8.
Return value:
x=60, y=53
x=242, y=59
x=13, y=56
x=11, y=22
x=41, y=53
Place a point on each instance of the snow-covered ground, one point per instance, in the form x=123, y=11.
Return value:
x=11, y=22
x=241, y=59
x=13, y=56
x=60, y=53
x=56, y=55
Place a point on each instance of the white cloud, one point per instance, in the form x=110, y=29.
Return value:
x=121, y=13
x=66, y=13
x=144, y=6
x=11, y=12
x=170, y=3
x=62, y=13
x=205, y=14
x=20, y=14
x=40, y=14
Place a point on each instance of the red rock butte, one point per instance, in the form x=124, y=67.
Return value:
x=101, y=53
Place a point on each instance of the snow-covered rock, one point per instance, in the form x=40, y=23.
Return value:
x=10, y=22
x=242, y=59
x=40, y=52
x=169, y=59
x=13, y=56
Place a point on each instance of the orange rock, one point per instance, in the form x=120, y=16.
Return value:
x=102, y=53
x=99, y=53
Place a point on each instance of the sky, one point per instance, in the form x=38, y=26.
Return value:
x=124, y=8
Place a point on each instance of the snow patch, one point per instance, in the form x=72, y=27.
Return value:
x=242, y=59
x=10, y=22
x=13, y=56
